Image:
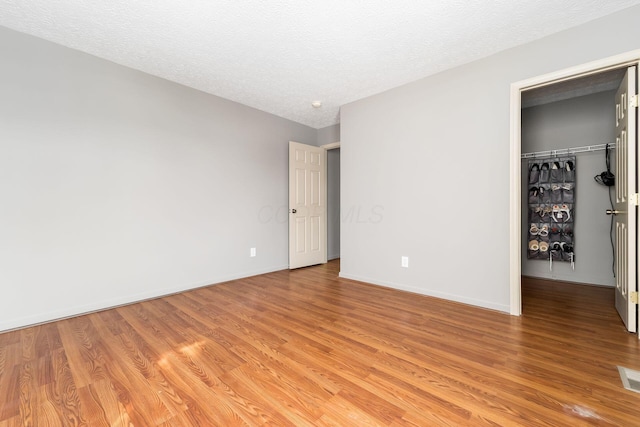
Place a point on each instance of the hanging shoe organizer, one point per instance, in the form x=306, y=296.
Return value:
x=552, y=189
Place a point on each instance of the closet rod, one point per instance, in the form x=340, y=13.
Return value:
x=566, y=151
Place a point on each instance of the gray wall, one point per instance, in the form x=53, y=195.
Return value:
x=118, y=186
x=333, y=203
x=427, y=167
x=328, y=135
x=586, y=120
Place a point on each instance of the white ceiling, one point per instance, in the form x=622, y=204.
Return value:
x=279, y=56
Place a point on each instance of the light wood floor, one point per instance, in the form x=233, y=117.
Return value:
x=306, y=348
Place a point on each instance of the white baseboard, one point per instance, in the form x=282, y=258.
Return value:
x=68, y=312
x=442, y=295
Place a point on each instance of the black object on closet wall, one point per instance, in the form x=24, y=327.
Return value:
x=551, y=201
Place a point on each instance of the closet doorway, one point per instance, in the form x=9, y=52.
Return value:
x=573, y=113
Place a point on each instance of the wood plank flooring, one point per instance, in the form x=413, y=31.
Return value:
x=305, y=348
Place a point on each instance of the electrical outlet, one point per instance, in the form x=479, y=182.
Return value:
x=252, y=252
x=405, y=262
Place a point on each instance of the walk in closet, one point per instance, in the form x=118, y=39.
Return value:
x=565, y=229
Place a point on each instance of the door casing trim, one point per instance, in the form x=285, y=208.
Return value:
x=331, y=146
x=515, y=152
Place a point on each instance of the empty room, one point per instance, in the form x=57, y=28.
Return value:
x=319, y=213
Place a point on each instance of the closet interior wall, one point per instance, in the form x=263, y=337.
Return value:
x=575, y=122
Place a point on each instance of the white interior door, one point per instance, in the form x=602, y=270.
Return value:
x=625, y=210
x=307, y=205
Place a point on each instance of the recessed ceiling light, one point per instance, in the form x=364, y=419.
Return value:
x=316, y=104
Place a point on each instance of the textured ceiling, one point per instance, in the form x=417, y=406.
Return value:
x=279, y=56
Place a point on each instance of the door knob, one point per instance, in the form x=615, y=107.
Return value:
x=612, y=212
x=293, y=211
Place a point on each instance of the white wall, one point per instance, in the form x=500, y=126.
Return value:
x=581, y=121
x=427, y=167
x=118, y=186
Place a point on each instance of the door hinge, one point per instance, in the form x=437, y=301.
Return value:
x=634, y=199
x=633, y=296
x=633, y=101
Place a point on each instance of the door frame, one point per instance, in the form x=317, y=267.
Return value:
x=329, y=147
x=515, y=152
